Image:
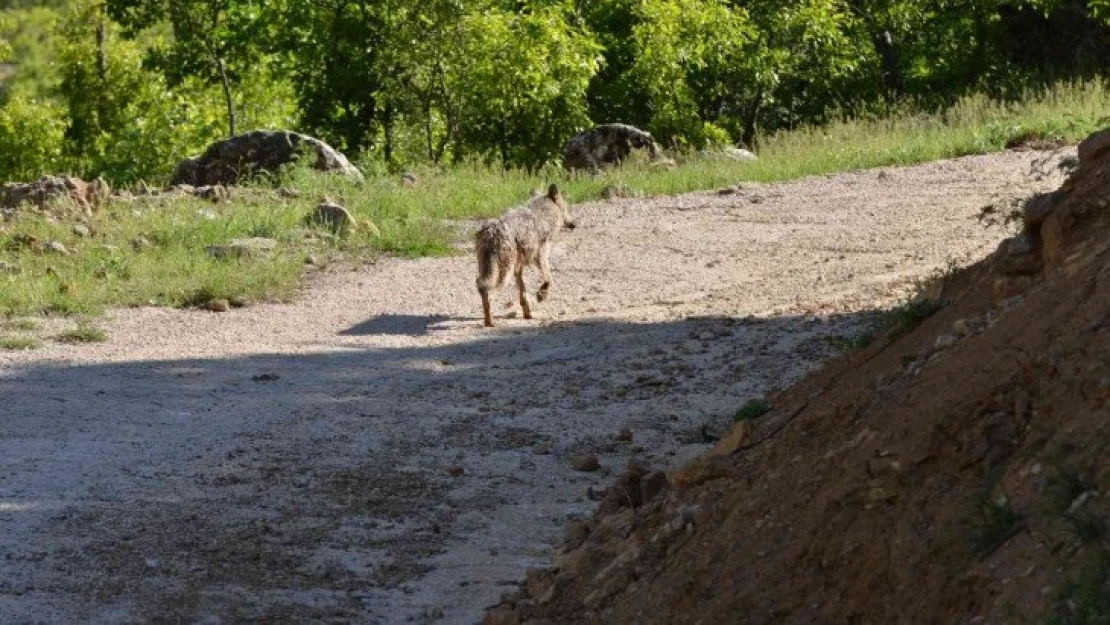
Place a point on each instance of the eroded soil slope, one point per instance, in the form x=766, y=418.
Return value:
x=955, y=474
x=370, y=453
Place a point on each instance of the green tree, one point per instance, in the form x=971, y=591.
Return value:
x=521, y=82
x=810, y=60
x=689, y=56
x=124, y=122
x=31, y=137
x=333, y=49
x=218, y=41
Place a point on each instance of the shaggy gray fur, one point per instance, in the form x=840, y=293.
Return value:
x=521, y=237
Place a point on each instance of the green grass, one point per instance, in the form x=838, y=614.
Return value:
x=20, y=325
x=895, y=322
x=105, y=270
x=752, y=409
x=995, y=523
x=1064, y=487
x=902, y=319
x=83, y=333
x=1085, y=600
x=19, y=343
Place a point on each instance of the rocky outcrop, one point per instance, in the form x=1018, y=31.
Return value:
x=48, y=190
x=231, y=160
x=606, y=144
x=1051, y=221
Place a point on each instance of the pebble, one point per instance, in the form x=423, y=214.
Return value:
x=57, y=248
x=217, y=305
x=585, y=463
x=945, y=341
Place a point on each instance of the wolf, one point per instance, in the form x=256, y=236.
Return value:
x=606, y=144
x=521, y=237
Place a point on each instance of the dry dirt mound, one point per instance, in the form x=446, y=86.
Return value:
x=954, y=474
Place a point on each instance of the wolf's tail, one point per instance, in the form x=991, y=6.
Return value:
x=492, y=262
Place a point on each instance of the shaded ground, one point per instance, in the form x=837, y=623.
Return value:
x=954, y=473
x=290, y=462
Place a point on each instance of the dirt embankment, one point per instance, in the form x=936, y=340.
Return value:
x=954, y=474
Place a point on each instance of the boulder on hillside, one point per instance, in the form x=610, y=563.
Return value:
x=331, y=216
x=49, y=189
x=228, y=161
x=606, y=144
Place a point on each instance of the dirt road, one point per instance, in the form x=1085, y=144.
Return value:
x=291, y=463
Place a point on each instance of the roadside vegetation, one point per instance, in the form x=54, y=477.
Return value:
x=477, y=98
x=152, y=249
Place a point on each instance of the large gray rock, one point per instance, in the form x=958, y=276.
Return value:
x=606, y=144
x=228, y=161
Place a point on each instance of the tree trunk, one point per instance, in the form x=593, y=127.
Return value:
x=979, y=61
x=101, y=50
x=228, y=99
x=432, y=156
x=387, y=124
x=751, y=124
x=504, y=145
x=891, y=77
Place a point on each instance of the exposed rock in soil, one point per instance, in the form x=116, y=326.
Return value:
x=331, y=216
x=231, y=160
x=48, y=190
x=237, y=248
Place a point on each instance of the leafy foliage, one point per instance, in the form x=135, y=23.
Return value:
x=31, y=136
x=139, y=84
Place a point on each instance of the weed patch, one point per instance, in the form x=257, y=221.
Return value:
x=19, y=343
x=83, y=333
x=1086, y=599
x=1069, y=494
x=751, y=410
x=20, y=325
x=994, y=524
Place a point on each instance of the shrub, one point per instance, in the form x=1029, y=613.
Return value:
x=31, y=136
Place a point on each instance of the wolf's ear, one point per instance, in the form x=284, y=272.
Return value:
x=553, y=192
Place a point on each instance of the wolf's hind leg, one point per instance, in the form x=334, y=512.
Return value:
x=520, y=289
x=544, y=262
